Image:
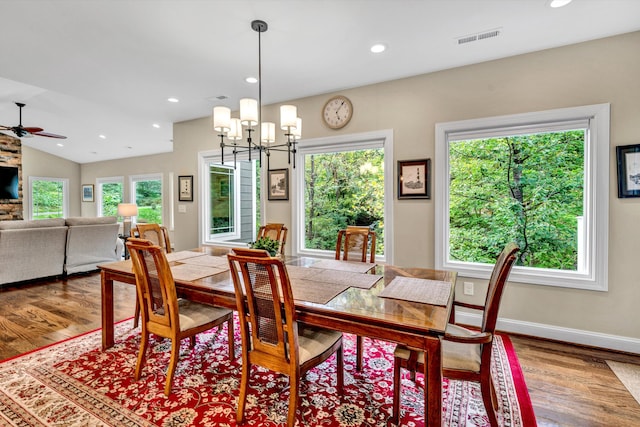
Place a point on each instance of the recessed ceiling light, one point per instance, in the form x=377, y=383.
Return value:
x=155, y=125
x=102, y=137
x=251, y=80
x=60, y=145
x=378, y=48
x=559, y=3
x=173, y=100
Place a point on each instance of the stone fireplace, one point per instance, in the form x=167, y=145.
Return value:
x=11, y=155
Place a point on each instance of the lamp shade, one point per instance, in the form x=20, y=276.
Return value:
x=221, y=118
x=297, y=132
x=127, y=209
x=249, y=111
x=288, y=116
x=235, y=131
x=268, y=133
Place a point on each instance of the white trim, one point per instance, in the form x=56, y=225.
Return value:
x=595, y=276
x=558, y=333
x=381, y=139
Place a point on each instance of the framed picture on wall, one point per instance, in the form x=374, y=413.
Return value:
x=185, y=188
x=87, y=192
x=278, y=184
x=628, y=157
x=414, y=179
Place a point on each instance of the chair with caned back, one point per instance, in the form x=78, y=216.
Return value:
x=156, y=234
x=165, y=315
x=466, y=354
x=271, y=336
x=356, y=243
x=275, y=231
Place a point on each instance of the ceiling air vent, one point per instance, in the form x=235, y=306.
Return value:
x=479, y=36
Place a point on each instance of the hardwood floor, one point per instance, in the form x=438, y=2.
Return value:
x=569, y=385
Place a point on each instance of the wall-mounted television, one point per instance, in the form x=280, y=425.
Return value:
x=8, y=182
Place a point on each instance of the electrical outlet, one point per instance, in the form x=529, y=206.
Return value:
x=468, y=288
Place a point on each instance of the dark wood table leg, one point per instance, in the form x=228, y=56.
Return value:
x=433, y=383
x=107, y=310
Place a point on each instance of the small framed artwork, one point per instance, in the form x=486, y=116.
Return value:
x=628, y=157
x=414, y=179
x=87, y=192
x=185, y=188
x=278, y=184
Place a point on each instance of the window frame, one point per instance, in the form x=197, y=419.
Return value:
x=133, y=179
x=107, y=180
x=65, y=194
x=214, y=156
x=359, y=141
x=596, y=193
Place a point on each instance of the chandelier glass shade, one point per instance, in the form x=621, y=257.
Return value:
x=233, y=129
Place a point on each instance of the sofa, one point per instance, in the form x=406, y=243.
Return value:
x=53, y=247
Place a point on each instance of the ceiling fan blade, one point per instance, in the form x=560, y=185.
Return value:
x=33, y=130
x=5, y=127
x=49, y=135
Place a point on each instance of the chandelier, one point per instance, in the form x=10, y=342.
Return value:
x=251, y=116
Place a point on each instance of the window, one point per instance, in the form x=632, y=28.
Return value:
x=230, y=192
x=343, y=181
x=539, y=179
x=108, y=196
x=49, y=197
x=146, y=192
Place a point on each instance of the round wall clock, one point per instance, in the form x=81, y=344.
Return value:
x=337, y=112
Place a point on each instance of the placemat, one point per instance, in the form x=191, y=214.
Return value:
x=190, y=272
x=348, y=278
x=353, y=266
x=316, y=292
x=297, y=272
x=177, y=256
x=434, y=292
x=209, y=261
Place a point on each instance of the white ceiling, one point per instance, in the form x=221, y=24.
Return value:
x=91, y=67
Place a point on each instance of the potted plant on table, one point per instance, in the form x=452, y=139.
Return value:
x=268, y=244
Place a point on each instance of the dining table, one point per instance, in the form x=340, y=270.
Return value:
x=355, y=304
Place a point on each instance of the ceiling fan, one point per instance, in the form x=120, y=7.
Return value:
x=22, y=131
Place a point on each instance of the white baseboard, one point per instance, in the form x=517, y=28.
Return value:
x=575, y=336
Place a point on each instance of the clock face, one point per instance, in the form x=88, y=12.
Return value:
x=337, y=112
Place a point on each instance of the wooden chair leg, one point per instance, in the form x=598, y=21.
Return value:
x=359, y=350
x=488, y=398
x=144, y=341
x=340, y=372
x=244, y=388
x=136, y=314
x=231, y=338
x=294, y=396
x=395, y=411
x=173, y=362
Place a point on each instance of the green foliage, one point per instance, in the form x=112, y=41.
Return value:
x=149, y=201
x=343, y=188
x=268, y=244
x=47, y=199
x=526, y=188
x=111, y=196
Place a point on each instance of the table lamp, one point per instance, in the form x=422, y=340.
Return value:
x=126, y=211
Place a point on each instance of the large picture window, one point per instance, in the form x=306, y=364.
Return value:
x=536, y=179
x=49, y=197
x=146, y=192
x=344, y=181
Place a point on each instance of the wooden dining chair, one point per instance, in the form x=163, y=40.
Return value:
x=158, y=235
x=466, y=354
x=275, y=231
x=271, y=336
x=357, y=243
x=165, y=315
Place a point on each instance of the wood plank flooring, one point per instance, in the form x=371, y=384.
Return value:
x=569, y=385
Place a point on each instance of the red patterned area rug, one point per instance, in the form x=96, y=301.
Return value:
x=74, y=383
